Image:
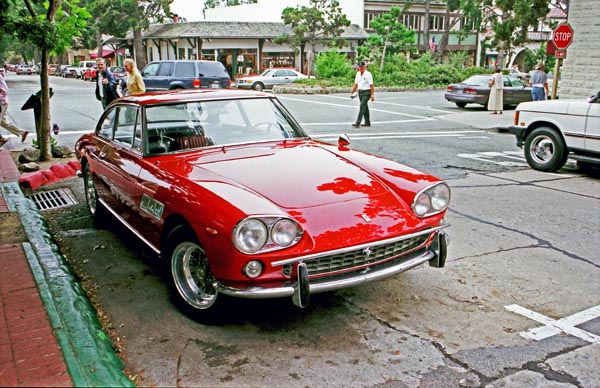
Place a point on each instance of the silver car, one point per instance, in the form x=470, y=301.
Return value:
x=476, y=90
x=268, y=78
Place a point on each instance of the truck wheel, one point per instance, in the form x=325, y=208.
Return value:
x=545, y=150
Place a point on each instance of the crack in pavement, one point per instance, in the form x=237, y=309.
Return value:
x=541, y=242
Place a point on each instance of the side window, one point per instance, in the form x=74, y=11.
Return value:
x=185, y=69
x=106, y=128
x=165, y=68
x=280, y=73
x=126, y=126
x=151, y=69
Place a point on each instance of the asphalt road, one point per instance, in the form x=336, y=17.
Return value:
x=517, y=305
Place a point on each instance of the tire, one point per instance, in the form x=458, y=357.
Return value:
x=461, y=104
x=258, y=86
x=545, y=150
x=95, y=207
x=192, y=283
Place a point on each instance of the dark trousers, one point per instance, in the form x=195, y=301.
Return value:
x=364, y=97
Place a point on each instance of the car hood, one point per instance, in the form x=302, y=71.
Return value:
x=573, y=106
x=291, y=176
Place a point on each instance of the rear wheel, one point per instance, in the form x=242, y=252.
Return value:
x=461, y=104
x=545, y=150
x=91, y=196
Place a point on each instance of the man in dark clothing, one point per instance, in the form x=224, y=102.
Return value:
x=106, y=84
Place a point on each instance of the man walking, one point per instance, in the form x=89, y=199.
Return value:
x=363, y=81
x=539, y=83
x=106, y=84
x=4, y=121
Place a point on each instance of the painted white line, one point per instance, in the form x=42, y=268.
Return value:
x=553, y=327
x=398, y=104
x=373, y=123
x=355, y=107
x=482, y=158
x=351, y=134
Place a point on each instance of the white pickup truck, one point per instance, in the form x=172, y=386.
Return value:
x=555, y=130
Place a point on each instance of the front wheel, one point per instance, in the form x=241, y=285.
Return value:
x=193, y=285
x=258, y=86
x=545, y=150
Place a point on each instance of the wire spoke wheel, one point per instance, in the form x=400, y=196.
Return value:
x=192, y=276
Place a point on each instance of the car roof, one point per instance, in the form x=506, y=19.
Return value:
x=169, y=96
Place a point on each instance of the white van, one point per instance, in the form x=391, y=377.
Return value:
x=81, y=66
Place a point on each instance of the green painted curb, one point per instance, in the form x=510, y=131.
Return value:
x=88, y=352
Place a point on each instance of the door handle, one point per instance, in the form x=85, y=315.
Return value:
x=102, y=155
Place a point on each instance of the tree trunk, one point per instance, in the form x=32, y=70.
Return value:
x=138, y=49
x=43, y=122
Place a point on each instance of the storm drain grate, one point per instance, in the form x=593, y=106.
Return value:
x=54, y=199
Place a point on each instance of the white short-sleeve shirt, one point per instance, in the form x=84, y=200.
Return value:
x=364, y=80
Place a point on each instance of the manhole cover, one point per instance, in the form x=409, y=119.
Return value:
x=54, y=199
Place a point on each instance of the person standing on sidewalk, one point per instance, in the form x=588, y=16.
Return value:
x=496, y=101
x=106, y=84
x=363, y=81
x=539, y=83
x=4, y=121
x=135, y=82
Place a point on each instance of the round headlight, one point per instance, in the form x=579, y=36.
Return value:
x=283, y=232
x=440, y=197
x=250, y=235
x=253, y=269
x=422, y=205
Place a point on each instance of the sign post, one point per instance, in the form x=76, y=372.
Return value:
x=562, y=37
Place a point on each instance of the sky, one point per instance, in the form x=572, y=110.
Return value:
x=189, y=9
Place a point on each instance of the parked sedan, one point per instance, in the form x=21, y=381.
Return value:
x=269, y=78
x=89, y=74
x=118, y=71
x=552, y=131
x=68, y=72
x=476, y=90
x=197, y=175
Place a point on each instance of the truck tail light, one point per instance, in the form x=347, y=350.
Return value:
x=197, y=83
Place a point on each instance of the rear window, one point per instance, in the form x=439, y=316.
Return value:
x=211, y=69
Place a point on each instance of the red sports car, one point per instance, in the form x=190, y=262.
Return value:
x=227, y=188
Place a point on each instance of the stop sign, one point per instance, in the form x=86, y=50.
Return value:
x=563, y=36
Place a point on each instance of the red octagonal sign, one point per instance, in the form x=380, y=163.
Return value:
x=562, y=36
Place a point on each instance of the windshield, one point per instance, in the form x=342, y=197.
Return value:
x=199, y=124
x=266, y=73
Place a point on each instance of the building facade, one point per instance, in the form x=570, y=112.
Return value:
x=581, y=68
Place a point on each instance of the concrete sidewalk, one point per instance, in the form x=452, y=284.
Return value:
x=49, y=332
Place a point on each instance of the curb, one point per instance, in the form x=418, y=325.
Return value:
x=87, y=350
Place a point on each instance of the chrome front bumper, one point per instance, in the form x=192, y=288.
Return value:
x=301, y=289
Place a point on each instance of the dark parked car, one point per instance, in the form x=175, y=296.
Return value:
x=475, y=90
x=169, y=75
x=198, y=176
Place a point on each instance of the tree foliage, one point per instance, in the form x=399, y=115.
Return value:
x=390, y=37
x=509, y=20
x=226, y=3
x=50, y=27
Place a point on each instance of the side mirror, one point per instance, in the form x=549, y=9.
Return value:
x=343, y=142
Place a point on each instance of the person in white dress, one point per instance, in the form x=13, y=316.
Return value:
x=496, y=101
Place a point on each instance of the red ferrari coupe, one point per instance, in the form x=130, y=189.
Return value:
x=227, y=188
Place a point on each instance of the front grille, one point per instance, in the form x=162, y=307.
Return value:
x=360, y=258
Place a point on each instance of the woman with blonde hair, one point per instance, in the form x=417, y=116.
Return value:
x=135, y=82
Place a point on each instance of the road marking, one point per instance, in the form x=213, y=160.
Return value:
x=355, y=107
x=391, y=135
x=492, y=157
x=379, y=100
x=553, y=327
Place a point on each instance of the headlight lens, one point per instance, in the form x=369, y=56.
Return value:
x=432, y=200
x=250, y=235
x=284, y=232
x=265, y=233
